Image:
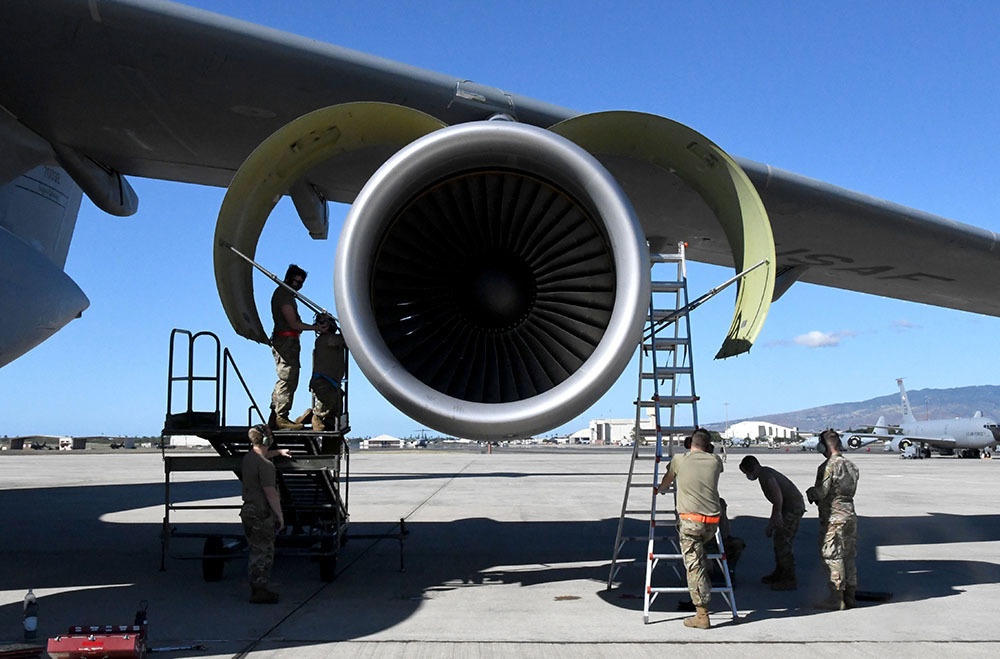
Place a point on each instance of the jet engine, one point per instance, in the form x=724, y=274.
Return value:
x=899, y=445
x=854, y=442
x=491, y=280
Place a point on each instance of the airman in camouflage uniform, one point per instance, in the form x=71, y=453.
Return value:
x=836, y=483
x=699, y=511
x=261, y=512
x=329, y=365
x=285, y=346
x=787, y=508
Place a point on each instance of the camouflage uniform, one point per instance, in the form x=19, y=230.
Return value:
x=836, y=483
x=329, y=365
x=693, y=537
x=792, y=510
x=697, y=477
x=259, y=521
x=285, y=350
x=258, y=526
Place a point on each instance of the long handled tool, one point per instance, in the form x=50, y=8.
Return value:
x=302, y=298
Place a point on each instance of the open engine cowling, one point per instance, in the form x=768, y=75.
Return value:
x=491, y=280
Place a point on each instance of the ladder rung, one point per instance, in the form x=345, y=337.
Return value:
x=666, y=343
x=666, y=372
x=666, y=286
x=677, y=430
x=668, y=557
x=665, y=314
x=684, y=589
x=665, y=401
x=665, y=257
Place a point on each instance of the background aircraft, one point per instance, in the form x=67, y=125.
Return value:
x=178, y=118
x=969, y=437
x=855, y=440
x=852, y=440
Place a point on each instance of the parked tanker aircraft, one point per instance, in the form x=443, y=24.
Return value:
x=492, y=273
x=970, y=437
x=852, y=440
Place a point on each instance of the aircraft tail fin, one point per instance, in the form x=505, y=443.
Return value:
x=907, y=410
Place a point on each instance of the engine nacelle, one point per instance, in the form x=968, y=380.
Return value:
x=854, y=442
x=492, y=280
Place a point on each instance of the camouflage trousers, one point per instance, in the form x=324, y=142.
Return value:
x=285, y=350
x=784, y=540
x=258, y=526
x=327, y=401
x=838, y=539
x=693, y=536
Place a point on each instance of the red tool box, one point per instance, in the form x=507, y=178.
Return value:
x=107, y=641
x=118, y=641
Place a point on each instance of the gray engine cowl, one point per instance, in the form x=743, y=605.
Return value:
x=492, y=280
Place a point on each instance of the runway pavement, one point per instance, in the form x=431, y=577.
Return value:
x=507, y=555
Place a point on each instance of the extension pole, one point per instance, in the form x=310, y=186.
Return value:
x=306, y=301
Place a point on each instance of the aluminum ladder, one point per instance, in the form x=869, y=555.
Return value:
x=667, y=396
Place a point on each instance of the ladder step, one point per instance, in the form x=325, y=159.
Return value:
x=666, y=286
x=660, y=315
x=666, y=372
x=665, y=401
x=666, y=432
x=666, y=257
x=684, y=589
x=666, y=343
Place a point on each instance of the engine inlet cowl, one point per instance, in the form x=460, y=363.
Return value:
x=492, y=280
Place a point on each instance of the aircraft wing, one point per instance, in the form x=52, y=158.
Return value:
x=856, y=440
x=938, y=442
x=106, y=89
x=186, y=95
x=900, y=442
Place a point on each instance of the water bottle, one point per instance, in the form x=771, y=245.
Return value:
x=30, y=616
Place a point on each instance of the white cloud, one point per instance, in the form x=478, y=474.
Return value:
x=817, y=339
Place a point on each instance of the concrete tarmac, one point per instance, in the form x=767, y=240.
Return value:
x=507, y=555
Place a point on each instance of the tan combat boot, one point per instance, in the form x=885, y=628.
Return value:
x=833, y=602
x=262, y=595
x=317, y=423
x=699, y=620
x=282, y=422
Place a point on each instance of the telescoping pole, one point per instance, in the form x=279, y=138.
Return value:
x=306, y=301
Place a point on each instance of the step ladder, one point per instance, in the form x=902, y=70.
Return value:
x=666, y=413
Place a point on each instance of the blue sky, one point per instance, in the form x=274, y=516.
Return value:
x=893, y=99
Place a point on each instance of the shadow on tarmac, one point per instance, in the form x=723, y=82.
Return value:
x=93, y=542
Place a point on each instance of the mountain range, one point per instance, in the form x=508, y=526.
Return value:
x=926, y=404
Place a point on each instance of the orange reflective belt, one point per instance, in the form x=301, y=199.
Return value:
x=695, y=517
